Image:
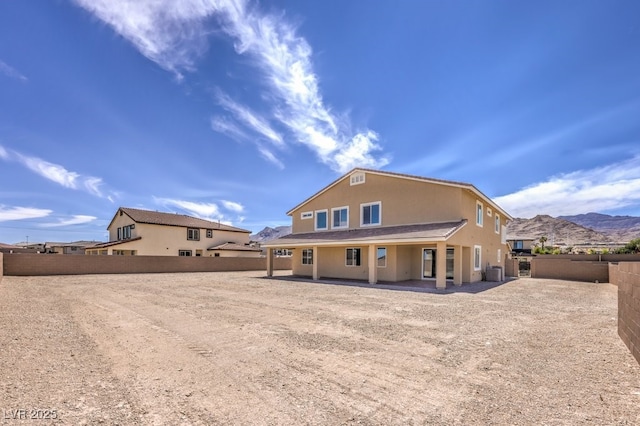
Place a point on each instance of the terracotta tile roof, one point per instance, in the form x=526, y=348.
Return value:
x=407, y=233
x=173, y=219
x=234, y=247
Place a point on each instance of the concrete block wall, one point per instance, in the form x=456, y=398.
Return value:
x=569, y=269
x=43, y=264
x=628, y=281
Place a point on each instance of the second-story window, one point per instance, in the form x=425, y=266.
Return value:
x=209, y=233
x=370, y=214
x=193, y=234
x=497, y=224
x=479, y=218
x=340, y=217
x=321, y=220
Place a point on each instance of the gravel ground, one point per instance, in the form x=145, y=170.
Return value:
x=237, y=348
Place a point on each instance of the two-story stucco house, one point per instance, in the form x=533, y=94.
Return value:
x=382, y=226
x=150, y=233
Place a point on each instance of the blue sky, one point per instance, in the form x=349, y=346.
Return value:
x=239, y=110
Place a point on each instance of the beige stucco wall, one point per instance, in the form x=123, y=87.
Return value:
x=233, y=253
x=415, y=198
x=404, y=262
x=159, y=240
x=406, y=201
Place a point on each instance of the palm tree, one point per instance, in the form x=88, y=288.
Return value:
x=542, y=241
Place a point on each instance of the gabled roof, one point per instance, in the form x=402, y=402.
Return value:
x=424, y=232
x=112, y=243
x=233, y=247
x=463, y=185
x=72, y=244
x=173, y=219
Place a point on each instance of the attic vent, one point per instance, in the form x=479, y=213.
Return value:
x=357, y=178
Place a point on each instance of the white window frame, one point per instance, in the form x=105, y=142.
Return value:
x=353, y=258
x=497, y=223
x=357, y=178
x=378, y=257
x=479, y=213
x=193, y=234
x=374, y=203
x=315, y=222
x=307, y=257
x=477, y=258
x=341, y=226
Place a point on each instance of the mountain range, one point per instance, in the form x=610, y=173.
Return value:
x=589, y=228
x=268, y=234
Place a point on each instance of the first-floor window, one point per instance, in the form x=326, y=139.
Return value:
x=307, y=257
x=353, y=257
x=184, y=253
x=382, y=257
x=477, y=259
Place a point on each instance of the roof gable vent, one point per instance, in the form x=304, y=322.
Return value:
x=357, y=178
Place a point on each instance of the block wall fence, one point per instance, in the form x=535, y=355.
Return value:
x=627, y=277
x=577, y=267
x=53, y=264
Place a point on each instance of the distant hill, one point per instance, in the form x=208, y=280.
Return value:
x=557, y=231
x=618, y=228
x=268, y=233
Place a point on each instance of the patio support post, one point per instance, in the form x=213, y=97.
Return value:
x=269, y=262
x=373, y=266
x=441, y=265
x=315, y=263
x=457, y=265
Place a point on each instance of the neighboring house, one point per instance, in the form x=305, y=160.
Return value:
x=77, y=247
x=150, y=233
x=521, y=246
x=382, y=226
x=11, y=248
x=36, y=247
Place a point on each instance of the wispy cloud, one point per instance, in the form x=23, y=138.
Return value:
x=74, y=220
x=21, y=213
x=209, y=210
x=249, y=118
x=270, y=157
x=11, y=72
x=228, y=127
x=174, y=34
x=56, y=173
x=168, y=32
x=606, y=188
x=233, y=206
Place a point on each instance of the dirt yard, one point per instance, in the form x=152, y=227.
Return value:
x=237, y=348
